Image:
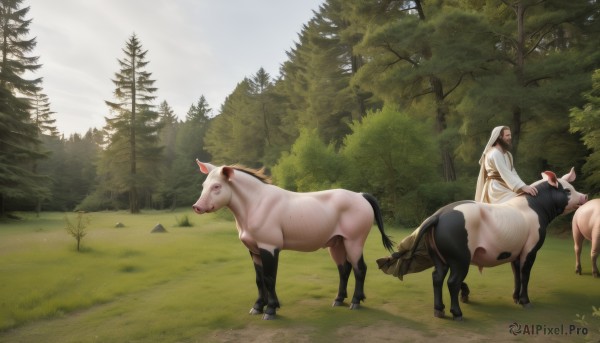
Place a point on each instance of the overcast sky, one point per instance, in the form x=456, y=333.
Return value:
x=195, y=47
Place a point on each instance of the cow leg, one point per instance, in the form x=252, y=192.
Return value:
x=595, y=251
x=344, y=271
x=360, y=274
x=458, y=273
x=439, y=274
x=451, y=239
x=354, y=251
x=516, y=268
x=525, y=274
x=578, y=243
x=338, y=254
x=260, y=284
x=464, y=292
x=270, y=262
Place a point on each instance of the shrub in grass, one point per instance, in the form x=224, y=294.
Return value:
x=184, y=221
x=77, y=230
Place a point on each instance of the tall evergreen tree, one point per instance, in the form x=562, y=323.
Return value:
x=168, y=139
x=42, y=115
x=19, y=139
x=183, y=183
x=190, y=140
x=316, y=78
x=132, y=152
x=247, y=130
x=199, y=112
x=269, y=113
x=168, y=131
x=235, y=135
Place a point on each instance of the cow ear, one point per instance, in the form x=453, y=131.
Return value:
x=551, y=178
x=228, y=173
x=205, y=168
x=570, y=177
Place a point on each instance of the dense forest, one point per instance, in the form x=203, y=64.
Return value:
x=394, y=98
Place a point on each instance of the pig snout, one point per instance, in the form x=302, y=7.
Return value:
x=203, y=206
x=198, y=209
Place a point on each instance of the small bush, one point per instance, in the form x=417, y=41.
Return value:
x=77, y=230
x=184, y=221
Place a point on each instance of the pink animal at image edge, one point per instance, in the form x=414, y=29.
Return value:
x=586, y=224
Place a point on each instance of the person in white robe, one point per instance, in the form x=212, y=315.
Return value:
x=498, y=180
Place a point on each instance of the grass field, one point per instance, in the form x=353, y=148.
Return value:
x=196, y=284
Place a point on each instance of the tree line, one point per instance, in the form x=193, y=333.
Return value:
x=394, y=98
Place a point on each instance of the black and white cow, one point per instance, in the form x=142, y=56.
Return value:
x=487, y=235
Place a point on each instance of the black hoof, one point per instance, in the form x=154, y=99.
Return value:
x=337, y=303
x=267, y=316
x=439, y=314
x=458, y=318
x=254, y=311
x=354, y=306
x=464, y=299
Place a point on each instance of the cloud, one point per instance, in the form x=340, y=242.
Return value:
x=194, y=48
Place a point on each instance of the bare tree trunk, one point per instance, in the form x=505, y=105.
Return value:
x=440, y=126
x=134, y=206
x=441, y=112
x=520, y=72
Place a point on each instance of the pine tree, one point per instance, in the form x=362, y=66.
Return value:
x=199, y=112
x=184, y=182
x=316, y=79
x=168, y=138
x=269, y=114
x=248, y=128
x=132, y=132
x=235, y=135
x=168, y=131
x=42, y=115
x=19, y=139
x=190, y=139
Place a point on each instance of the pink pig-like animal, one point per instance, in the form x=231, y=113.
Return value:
x=586, y=224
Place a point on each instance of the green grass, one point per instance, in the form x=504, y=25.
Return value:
x=196, y=284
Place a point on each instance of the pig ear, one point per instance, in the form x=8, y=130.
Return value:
x=228, y=173
x=551, y=178
x=570, y=177
x=205, y=168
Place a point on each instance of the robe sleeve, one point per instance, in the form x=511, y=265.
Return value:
x=510, y=176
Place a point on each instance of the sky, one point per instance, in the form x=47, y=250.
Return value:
x=195, y=48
